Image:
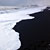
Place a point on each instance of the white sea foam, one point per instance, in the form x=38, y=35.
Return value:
x=9, y=39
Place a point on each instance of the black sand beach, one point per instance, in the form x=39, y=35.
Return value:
x=35, y=33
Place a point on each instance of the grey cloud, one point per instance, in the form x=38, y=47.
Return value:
x=24, y=2
x=12, y=2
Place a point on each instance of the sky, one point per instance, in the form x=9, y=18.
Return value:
x=12, y=2
x=23, y=2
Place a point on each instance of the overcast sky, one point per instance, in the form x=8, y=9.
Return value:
x=24, y=2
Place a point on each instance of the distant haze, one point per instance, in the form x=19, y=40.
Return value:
x=23, y=2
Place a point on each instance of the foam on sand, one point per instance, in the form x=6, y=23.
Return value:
x=9, y=39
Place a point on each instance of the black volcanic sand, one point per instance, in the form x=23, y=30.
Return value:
x=35, y=33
